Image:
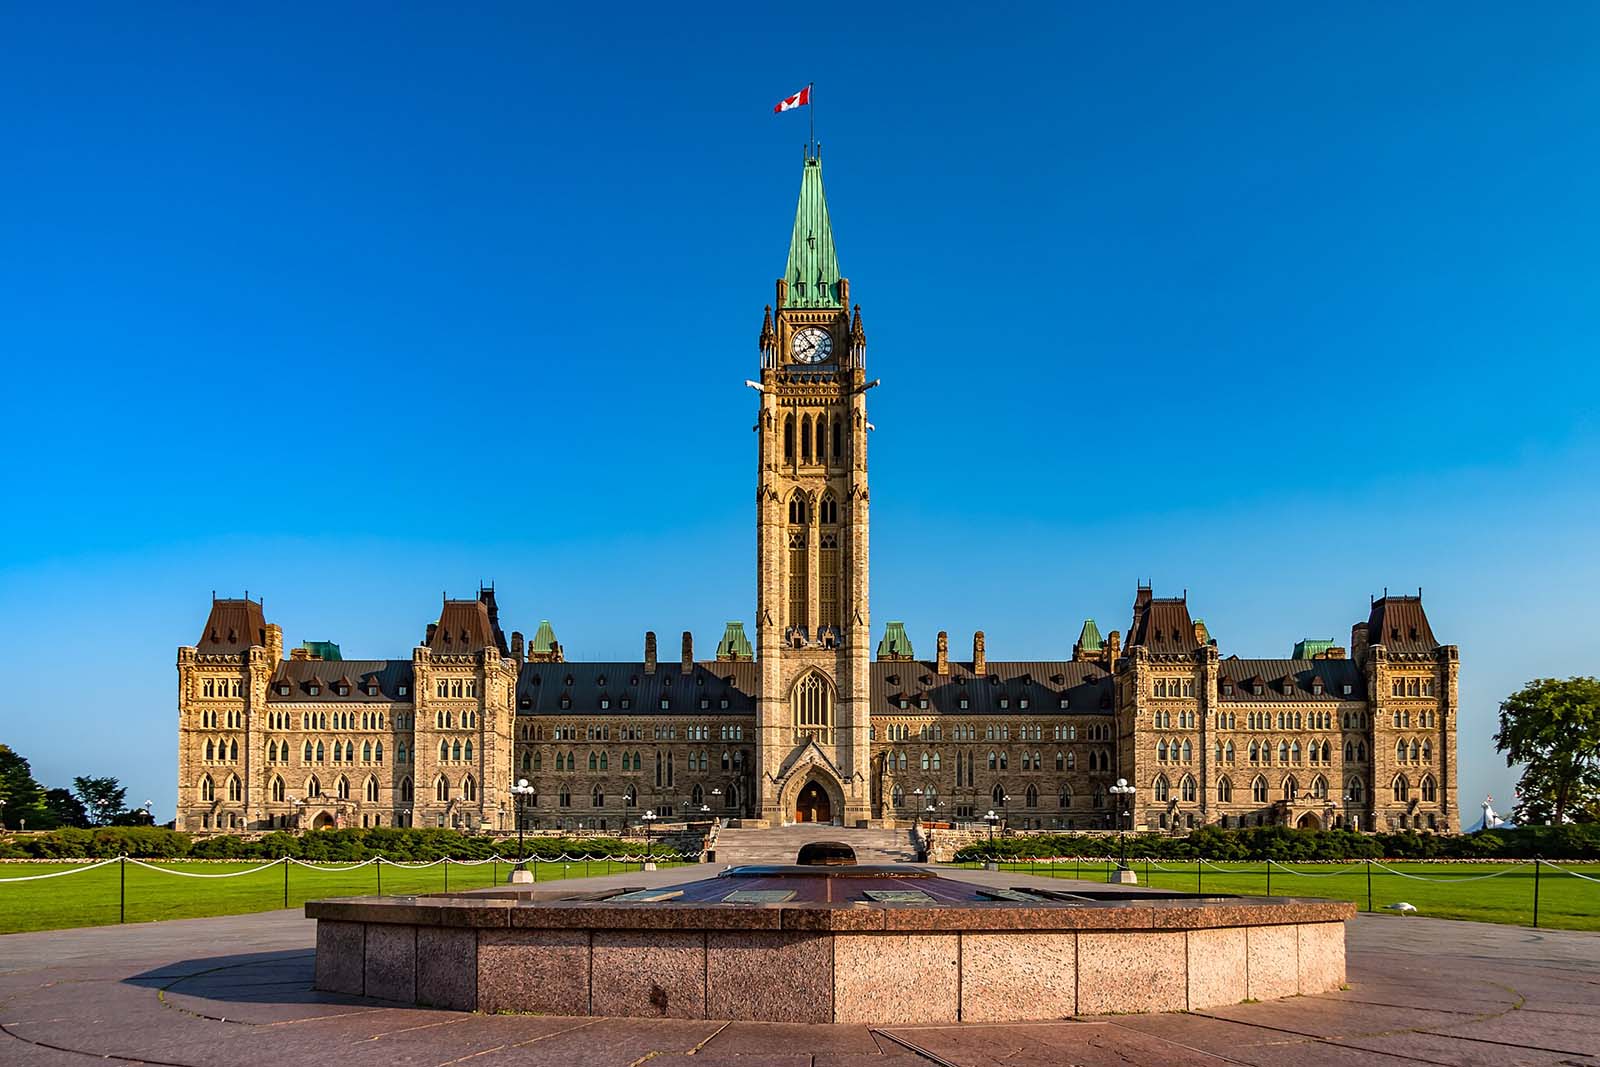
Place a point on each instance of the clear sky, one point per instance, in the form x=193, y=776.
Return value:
x=348, y=308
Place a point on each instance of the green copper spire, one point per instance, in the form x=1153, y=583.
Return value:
x=813, y=271
x=895, y=644
x=544, y=638
x=734, y=644
x=1089, y=639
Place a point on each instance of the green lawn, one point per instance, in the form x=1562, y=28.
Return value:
x=1564, y=901
x=94, y=898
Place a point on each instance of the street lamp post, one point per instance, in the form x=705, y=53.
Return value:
x=991, y=818
x=1122, y=793
x=649, y=821
x=520, y=792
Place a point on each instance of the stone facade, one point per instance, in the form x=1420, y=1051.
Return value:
x=806, y=723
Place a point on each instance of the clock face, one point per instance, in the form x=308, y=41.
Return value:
x=812, y=345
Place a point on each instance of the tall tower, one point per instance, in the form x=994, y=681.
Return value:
x=813, y=622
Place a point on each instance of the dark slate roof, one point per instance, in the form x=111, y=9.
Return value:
x=540, y=687
x=464, y=627
x=1086, y=686
x=300, y=673
x=233, y=626
x=1162, y=625
x=1335, y=675
x=1400, y=625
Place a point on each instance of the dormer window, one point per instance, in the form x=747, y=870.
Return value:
x=604, y=703
x=566, y=702
x=344, y=690
x=283, y=689
x=402, y=690
x=1022, y=703
x=625, y=703
x=1005, y=702
x=705, y=703
x=1227, y=689
x=665, y=704
x=1316, y=686
x=372, y=689
x=1062, y=702
x=1348, y=688
x=313, y=689
x=963, y=703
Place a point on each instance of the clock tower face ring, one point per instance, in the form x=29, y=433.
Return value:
x=811, y=345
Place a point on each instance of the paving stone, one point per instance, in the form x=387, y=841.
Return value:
x=1459, y=1052
x=752, y=1038
x=1049, y=1045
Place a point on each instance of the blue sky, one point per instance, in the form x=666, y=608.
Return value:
x=349, y=308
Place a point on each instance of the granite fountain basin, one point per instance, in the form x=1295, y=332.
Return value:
x=883, y=945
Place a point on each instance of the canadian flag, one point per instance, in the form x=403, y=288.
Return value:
x=789, y=103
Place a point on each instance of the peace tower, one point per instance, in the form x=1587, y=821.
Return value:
x=813, y=616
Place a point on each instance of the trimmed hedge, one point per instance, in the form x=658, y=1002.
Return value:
x=404, y=845
x=1572, y=842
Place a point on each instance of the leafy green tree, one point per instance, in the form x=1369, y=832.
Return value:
x=64, y=809
x=102, y=798
x=21, y=798
x=1552, y=727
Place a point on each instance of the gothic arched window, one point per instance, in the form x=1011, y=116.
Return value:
x=1225, y=791
x=812, y=704
x=1162, y=789
x=277, y=789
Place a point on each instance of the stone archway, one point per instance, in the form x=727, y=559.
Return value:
x=323, y=821
x=813, y=805
x=1309, y=821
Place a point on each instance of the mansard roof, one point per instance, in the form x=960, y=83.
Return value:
x=1272, y=673
x=465, y=627
x=233, y=626
x=541, y=687
x=1162, y=624
x=300, y=674
x=1086, y=686
x=1400, y=625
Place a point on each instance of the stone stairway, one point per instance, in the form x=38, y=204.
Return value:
x=780, y=844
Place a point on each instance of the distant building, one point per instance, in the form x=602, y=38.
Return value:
x=804, y=723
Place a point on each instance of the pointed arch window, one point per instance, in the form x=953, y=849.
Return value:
x=1225, y=791
x=407, y=791
x=371, y=790
x=469, y=788
x=1031, y=796
x=208, y=788
x=1402, y=789
x=811, y=703
x=313, y=786
x=788, y=438
x=1186, y=788
x=1162, y=789
x=1319, y=788
x=1430, y=789
x=278, y=791
x=1258, y=789
x=342, y=787
x=805, y=439
x=1064, y=798
x=441, y=789
x=1291, y=789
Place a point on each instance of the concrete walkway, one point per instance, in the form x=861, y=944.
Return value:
x=235, y=991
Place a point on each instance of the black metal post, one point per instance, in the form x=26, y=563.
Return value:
x=1369, y=885
x=122, y=890
x=286, y=881
x=1269, y=877
x=1536, y=892
x=1199, y=863
x=379, y=866
x=447, y=874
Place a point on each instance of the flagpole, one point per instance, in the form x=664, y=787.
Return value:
x=811, y=105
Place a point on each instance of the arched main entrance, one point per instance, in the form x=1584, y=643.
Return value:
x=323, y=821
x=813, y=805
x=1309, y=821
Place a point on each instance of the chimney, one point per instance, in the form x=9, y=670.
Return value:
x=944, y=653
x=688, y=652
x=980, y=663
x=1358, y=643
x=516, y=645
x=299, y=653
x=433, y=628
x=1113, y=650
x=649, y=652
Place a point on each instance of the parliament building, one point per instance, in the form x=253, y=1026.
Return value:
x=813, y=720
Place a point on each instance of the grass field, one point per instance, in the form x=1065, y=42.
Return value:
x=1565, y=902
x=95, y=898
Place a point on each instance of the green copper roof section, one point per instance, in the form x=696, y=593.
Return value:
x=813, y=270
x=1089, y=637
x=322, y=650
x=895, y=643
x=544, y=638
x=1311, y=647
x=734, y=644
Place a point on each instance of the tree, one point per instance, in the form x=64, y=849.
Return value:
x=103, y=798
x=21, y=798
x=1552, y=727
x=64, y=809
